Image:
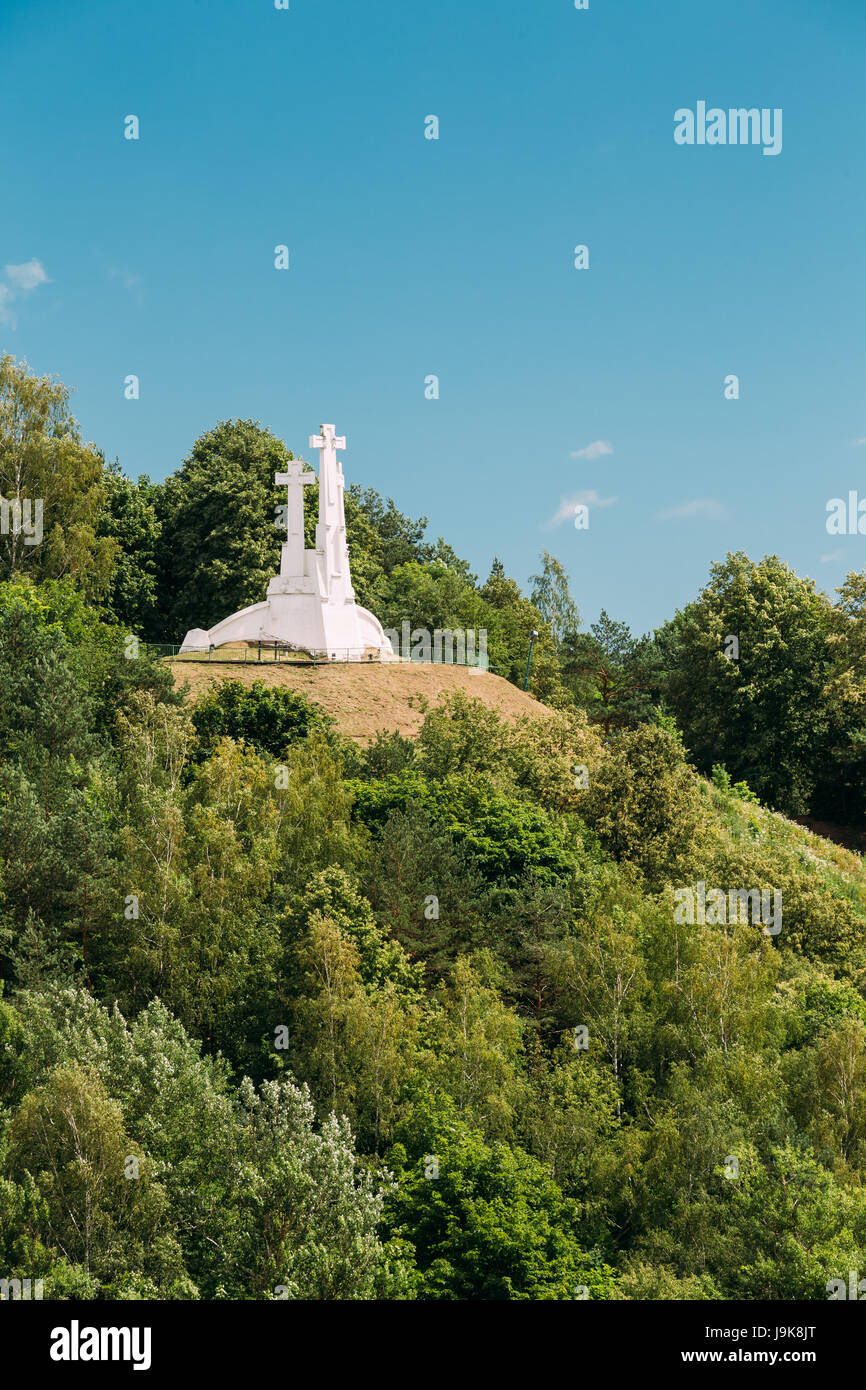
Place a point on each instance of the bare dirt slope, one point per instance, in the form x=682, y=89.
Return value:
x=363, y=699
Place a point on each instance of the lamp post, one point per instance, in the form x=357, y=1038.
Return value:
x=532, y=636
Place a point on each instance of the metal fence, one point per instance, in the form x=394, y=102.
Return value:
x=260, y=653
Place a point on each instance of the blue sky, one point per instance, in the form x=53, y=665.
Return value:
x=411, y=257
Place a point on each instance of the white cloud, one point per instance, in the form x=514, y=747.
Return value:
x=699, y=506
x=130, y=281
x=588, y=498
x=20, y=279
x=596, y=450
x=856, y=442
x=831, y=555
x=27, y=276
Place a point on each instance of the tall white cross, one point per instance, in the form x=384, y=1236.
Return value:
x=327, y=442
x=296, y=478
x=327, y=439
x=330, y=533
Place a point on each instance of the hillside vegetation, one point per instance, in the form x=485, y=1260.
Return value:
x=542, y=1002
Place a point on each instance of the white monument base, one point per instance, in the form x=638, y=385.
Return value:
x=342, y=632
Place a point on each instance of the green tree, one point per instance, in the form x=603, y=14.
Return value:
x=486, y=1221
x=510, y=620
x=828, y=1094
x=428, y=891
x=55, y=841
x=758, y=709
x=219, y=545
x=644, y=802
x=614, y=675
x=103, y=1209
x=430, y=596
x=552, y=597
x=790, y=1228
x=269, y=719
x=355, y=1044
x=400, y=539
x=312, y=1212
x=130, y=519
x=44, y=463
x=478, y=1043
x=604, y=987
x=840, y=793
x=192, y=921
x=265, y=1203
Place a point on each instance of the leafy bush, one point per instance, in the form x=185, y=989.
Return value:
x=267, y=718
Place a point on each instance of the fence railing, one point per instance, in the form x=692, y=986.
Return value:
x=269, y=652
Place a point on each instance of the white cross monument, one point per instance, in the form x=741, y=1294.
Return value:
x=295, y=478
x=331, y=530
x=310, y=603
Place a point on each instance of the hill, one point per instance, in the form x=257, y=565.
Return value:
x=363, y=699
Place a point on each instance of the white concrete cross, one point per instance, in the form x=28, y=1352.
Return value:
x=330, y=533
x=327, y=441
x=296, y=478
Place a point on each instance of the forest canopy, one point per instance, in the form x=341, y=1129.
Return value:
x=283, y=1016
